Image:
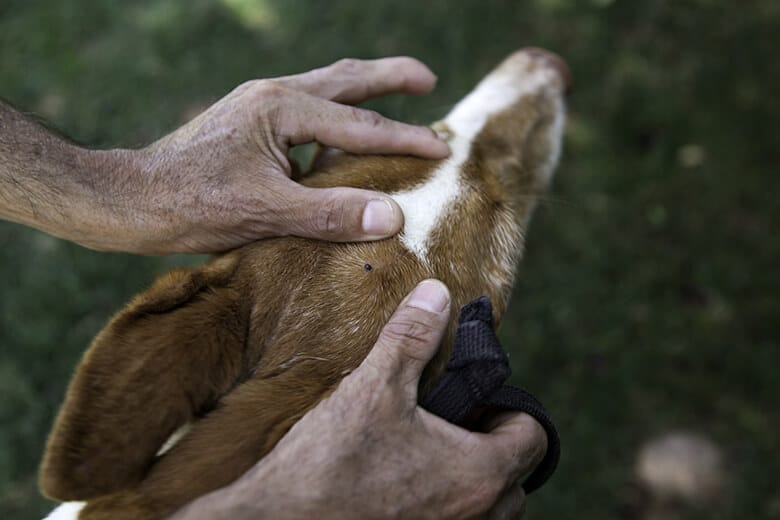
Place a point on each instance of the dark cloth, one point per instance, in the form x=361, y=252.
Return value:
x=474, y=384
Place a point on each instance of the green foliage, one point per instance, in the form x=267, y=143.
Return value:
x=648, y=299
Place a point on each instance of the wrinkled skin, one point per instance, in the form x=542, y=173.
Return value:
x=387, y=457
x=223, y=179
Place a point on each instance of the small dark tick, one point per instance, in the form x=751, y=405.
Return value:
x=367, y=267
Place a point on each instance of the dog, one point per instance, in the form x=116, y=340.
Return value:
x=228, y=356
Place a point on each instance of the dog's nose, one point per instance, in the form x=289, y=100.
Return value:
x=531, y=73
x=550, y=59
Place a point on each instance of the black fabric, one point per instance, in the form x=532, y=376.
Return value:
x=474, y=381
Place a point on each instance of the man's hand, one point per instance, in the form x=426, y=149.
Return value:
x=227, y=173
x=223, y=179
x=368, y=450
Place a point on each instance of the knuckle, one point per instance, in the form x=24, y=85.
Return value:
x=268, y=90
x=410, y=60
x=523, y=452
x=532, y=452
x=264, y=98
x=245, y=86
x=539, y=435
x=407, y=62
x=370, y=118
x=329, y=217
x=255, y=85
x=409, y=330
x=348, y=66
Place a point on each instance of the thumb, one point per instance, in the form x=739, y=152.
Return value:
x=339, y=214
x=412, y=336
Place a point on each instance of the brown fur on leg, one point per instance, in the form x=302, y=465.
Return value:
x=257, y=414
x=168, y=356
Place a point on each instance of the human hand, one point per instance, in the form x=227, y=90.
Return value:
x=369, y=451
x=223, y=179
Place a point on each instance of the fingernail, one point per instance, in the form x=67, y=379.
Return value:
x=378, y=217
x=430, y=295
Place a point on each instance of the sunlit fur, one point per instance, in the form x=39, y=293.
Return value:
x=243, y=346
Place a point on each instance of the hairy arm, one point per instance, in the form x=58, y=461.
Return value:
x=49, y=183
x=223, y=179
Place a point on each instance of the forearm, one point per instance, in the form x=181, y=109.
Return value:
x=51, y=184
x=271, y=489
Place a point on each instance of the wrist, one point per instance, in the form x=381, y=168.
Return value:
x=100, y=212
x=54, y=188
x=91, y=197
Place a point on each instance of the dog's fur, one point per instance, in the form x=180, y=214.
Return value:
x=242, y=347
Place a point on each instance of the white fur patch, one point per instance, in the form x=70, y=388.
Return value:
x=70, y=510
x=425, y=206
x=174, y=439
x=66, y=511
x=501, y=89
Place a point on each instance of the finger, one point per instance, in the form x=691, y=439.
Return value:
x=493, y=418
x=353, y=129
x=517, y=443
x=412, y=336
x=337, y=214
x=511, y=505
x=353, y=81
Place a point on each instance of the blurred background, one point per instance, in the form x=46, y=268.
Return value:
x=646, y=314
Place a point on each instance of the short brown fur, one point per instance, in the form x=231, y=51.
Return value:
x=247, y=344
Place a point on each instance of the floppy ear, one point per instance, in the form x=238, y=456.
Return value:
x=169, y=355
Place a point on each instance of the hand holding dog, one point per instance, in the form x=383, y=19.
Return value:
x=368, y=450
x=223, y=179
x=228, y=170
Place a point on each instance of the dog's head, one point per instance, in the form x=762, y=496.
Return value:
x=466, y=216
x=269, y=307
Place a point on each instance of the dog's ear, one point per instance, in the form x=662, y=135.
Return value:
x=168, y=356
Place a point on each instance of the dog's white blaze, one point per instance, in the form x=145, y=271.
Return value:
x=514, y=79
x=426, y=205
x=66, y=511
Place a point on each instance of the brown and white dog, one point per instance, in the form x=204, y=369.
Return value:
x=238, y=350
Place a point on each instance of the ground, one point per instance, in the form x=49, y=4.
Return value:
x=648, y=298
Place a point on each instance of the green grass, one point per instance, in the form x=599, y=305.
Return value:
x=648, y=299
